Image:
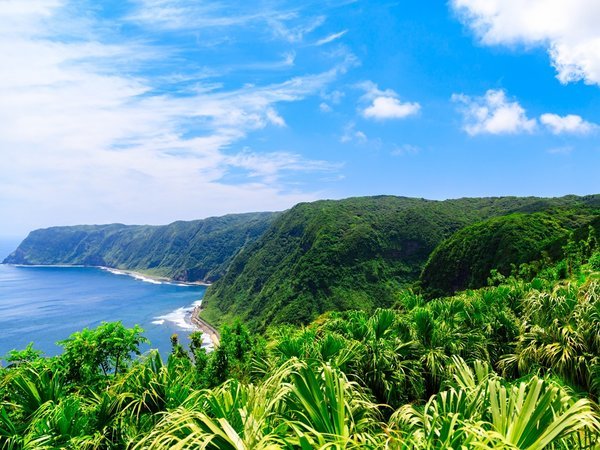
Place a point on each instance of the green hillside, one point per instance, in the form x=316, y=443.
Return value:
x=348, y=254
x=466, y=259
x=514, y=366
x=186, y=251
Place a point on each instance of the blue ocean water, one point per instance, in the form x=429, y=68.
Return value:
x=46, y=304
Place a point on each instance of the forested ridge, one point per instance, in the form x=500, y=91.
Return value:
x=198, y=250
x=515, y=364
x=359, y=252
x=330, y=255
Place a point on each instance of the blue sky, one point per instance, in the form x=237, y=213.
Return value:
x=150, y=111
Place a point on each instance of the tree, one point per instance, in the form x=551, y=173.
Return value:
x=107, y=349
x=15, y=358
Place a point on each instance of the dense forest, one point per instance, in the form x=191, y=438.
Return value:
x=359, y=252
x=199, y=250
x=512, y=364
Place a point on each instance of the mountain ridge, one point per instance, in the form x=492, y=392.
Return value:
x=355, y=253
x=198, y=250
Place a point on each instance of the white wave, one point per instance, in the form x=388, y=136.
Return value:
x=180, y=317
x=114, y=271
x=135, y=275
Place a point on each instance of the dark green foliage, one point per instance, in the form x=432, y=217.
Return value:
x=354, y=254
x=505, y=244
x=595, y=261
x=233, y=357
x=186, y=251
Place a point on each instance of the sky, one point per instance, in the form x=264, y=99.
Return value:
x=151, y=111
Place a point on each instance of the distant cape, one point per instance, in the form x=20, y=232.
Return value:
x=198, y=250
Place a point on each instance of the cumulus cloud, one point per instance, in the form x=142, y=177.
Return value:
x=384, y=105
x=569, y=124
x=493, y=113
x=390, y=108
x=568, y=29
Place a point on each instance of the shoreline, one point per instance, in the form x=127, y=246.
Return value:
x=205, y=327
x=198, y=323
x=144, y=276
x=132, y=273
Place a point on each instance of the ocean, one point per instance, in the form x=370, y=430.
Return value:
x=44, y=305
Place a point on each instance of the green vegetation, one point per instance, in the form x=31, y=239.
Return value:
x=357, y=253
x=186, y=251
x=504, y=244
x=510, y=366
x=383, y=360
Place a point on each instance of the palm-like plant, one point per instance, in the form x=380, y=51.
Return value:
x=480, y=410
x=232, y=416
x=560, y=334
x=31, y=387
x=327, y=410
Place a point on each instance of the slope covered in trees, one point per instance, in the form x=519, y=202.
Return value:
x=466, y=259
x=509, y=366
x=186, y=251
x=348, y=254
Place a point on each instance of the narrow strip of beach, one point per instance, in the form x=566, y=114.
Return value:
x=150, y=278
x=205, y=327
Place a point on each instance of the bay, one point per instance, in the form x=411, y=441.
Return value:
x=44, y=305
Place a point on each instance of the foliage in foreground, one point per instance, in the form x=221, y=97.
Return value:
x=511, y=366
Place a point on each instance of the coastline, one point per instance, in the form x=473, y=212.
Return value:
x=200, y=324
x=146, y=277
x=132, y=273
x=205, y=327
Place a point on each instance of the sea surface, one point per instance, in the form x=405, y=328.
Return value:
x=44, y=305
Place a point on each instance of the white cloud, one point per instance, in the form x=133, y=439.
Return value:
x=83, y=138
x=283, y=27
x=351, y=134
x=330, y=38
x=390, y=108
x=270, y=166
x=571, y=124
x=324, y=107
x=385, y=105
x=568, y=29
x=191, y=14
x=275, y=118
x=334, y=97
x=493, y=113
